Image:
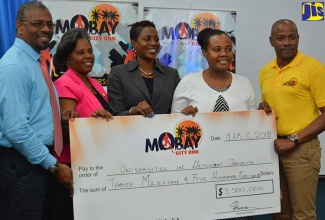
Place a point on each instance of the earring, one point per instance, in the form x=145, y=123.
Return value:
x=134, y=50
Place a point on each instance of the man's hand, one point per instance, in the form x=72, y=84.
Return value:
x=283, y=146
x=265, y=106
x=64, y=176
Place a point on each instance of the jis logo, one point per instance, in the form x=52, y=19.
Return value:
x=312, y=11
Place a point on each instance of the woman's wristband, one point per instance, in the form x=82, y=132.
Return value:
x=131, y=109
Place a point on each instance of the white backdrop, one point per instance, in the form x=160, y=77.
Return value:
x=254, y=21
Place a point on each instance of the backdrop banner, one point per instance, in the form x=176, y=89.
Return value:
x=178, y=30
x=107, y=24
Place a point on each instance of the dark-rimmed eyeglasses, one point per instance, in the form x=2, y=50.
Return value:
x=40, y=24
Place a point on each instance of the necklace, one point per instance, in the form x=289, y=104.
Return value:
x=145, y=73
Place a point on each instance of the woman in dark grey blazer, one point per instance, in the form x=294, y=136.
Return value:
x=143, y=86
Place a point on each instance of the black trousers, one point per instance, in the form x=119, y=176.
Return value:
x=25, y=189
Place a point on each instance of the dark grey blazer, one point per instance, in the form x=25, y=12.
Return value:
x=126, y=88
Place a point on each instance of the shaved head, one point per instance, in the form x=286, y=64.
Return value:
x=283, y=21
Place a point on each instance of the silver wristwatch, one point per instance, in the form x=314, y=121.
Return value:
x=53, y=168
x=294, y=138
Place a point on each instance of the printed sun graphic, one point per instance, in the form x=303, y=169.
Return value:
x=188, y=130
x=205, y=20
x=105, y=13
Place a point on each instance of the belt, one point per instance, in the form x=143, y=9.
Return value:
x=6, y=148
x=283, y=137
x=51, y=148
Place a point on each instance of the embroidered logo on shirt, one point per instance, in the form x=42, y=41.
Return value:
x=291, y=83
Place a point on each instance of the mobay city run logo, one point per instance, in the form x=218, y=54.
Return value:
x=104, y=19
x=312, y=11
x=184, y=141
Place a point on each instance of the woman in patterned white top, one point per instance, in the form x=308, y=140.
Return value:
x=214, y=89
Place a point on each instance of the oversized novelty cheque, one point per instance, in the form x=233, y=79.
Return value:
x=175, y=167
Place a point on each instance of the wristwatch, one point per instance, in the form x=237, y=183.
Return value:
x=54, y=168
x=294, y=138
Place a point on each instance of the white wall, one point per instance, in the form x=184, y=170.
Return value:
x=254, y=21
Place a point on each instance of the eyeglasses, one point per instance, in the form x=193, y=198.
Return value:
x=40, y=24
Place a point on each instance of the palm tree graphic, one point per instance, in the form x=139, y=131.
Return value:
x=180, y=131
x=198, y=23
x=95, y=15
x=109, y=15
x=195, y=131
x=210, y=23
x=113, y=16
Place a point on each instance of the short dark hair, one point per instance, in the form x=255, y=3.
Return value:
x=67, y=44
x=26, y=7
x=137, y=27
x=204, y=36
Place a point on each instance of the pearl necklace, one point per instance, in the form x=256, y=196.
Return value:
x=145, y=73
